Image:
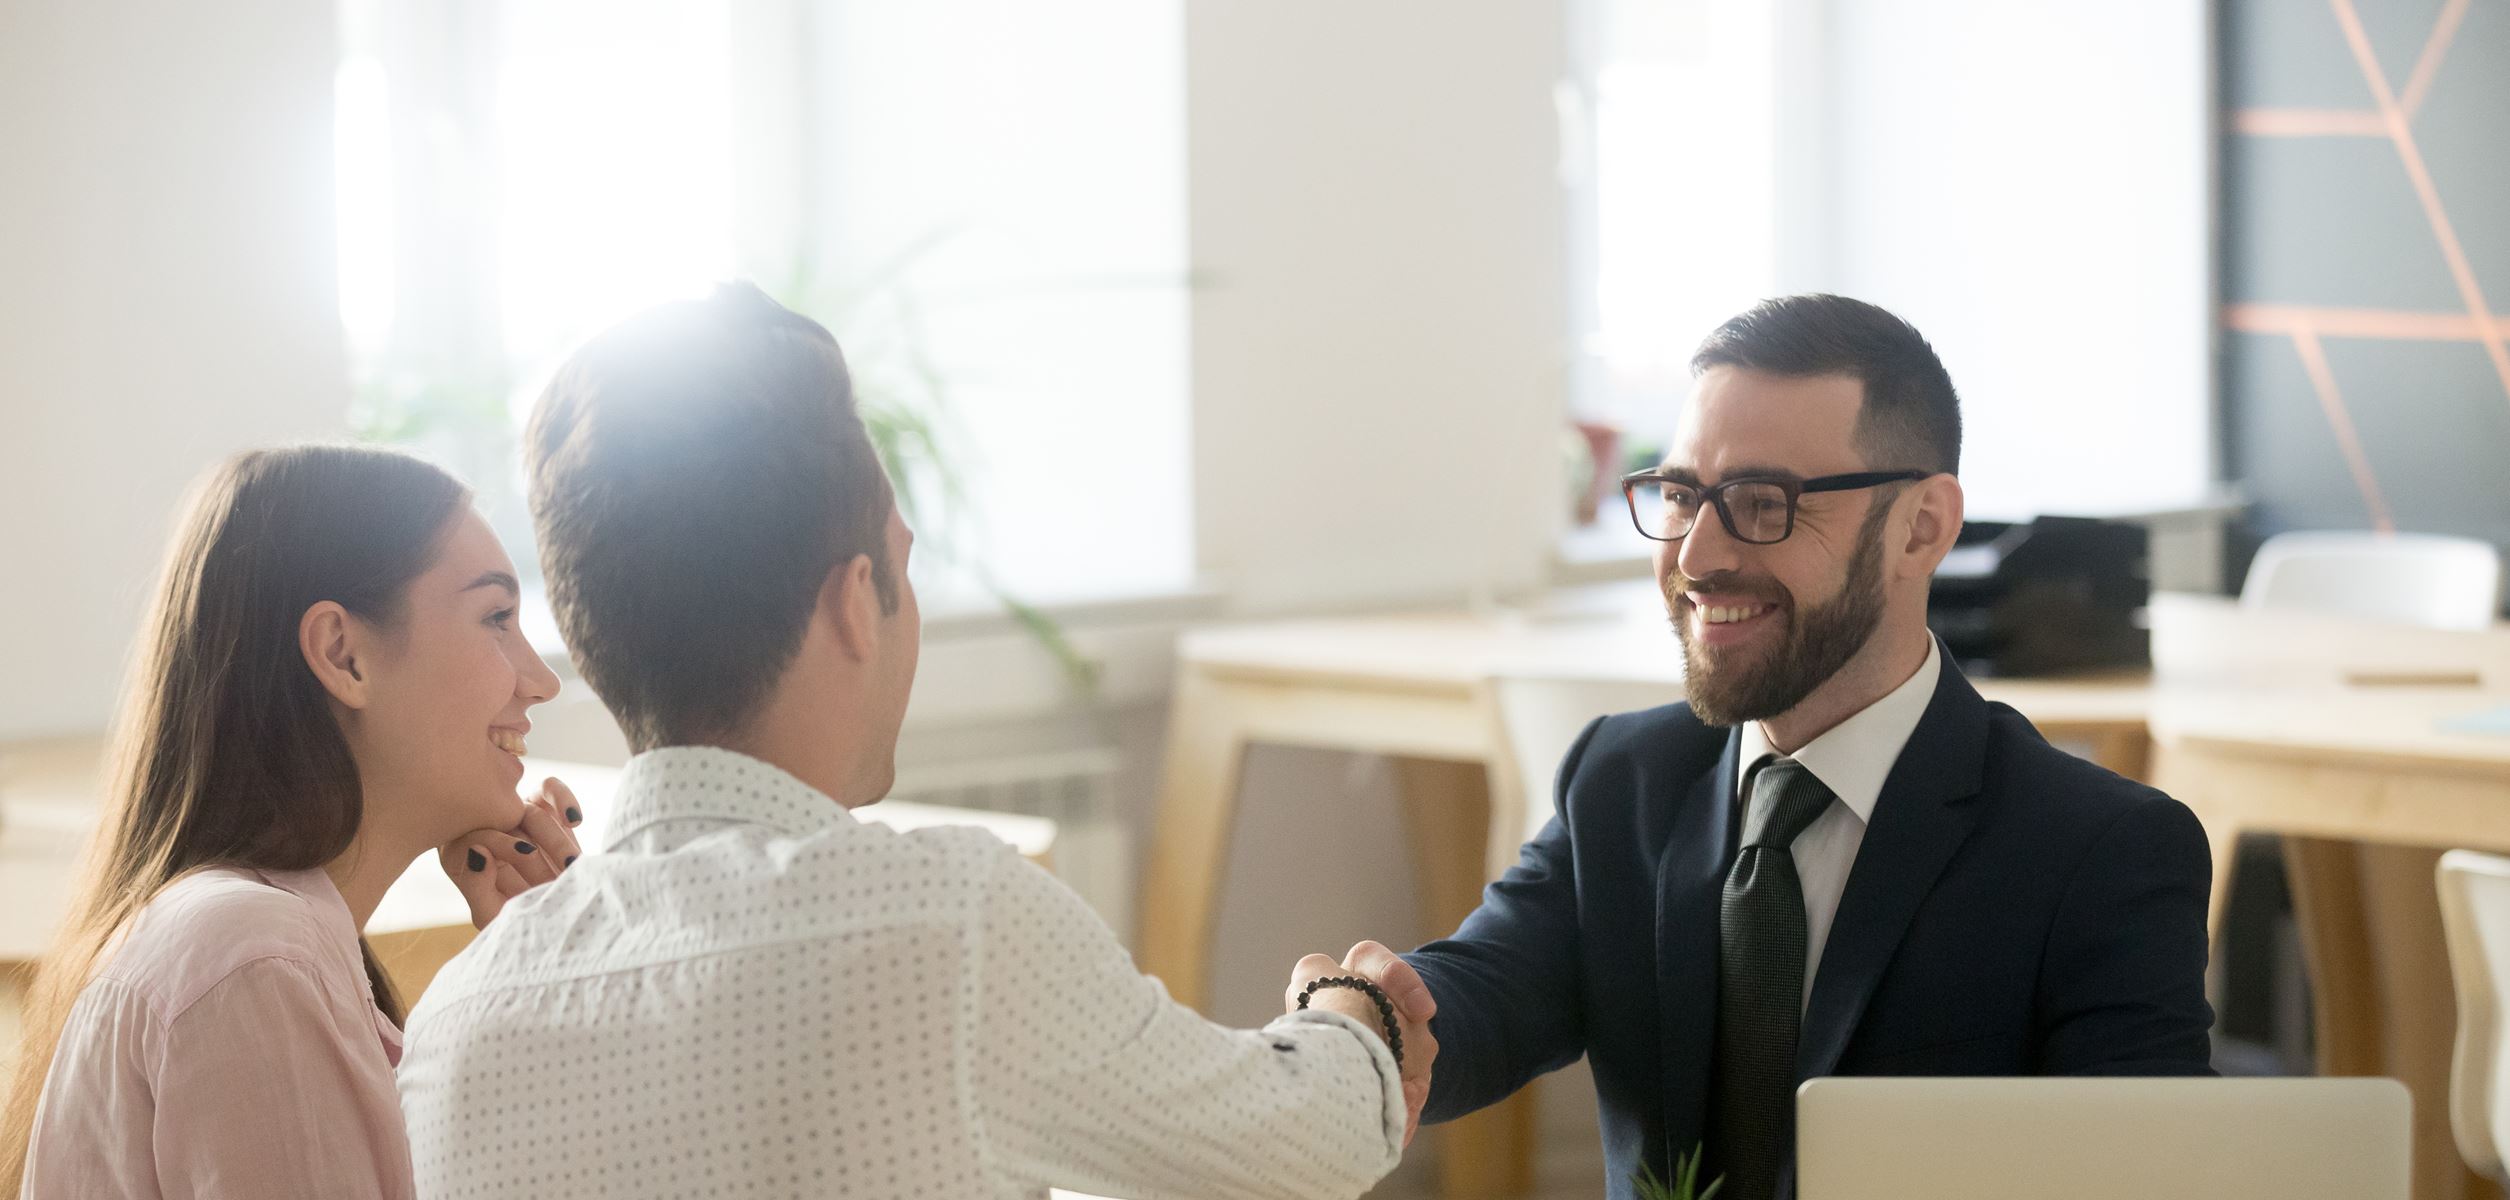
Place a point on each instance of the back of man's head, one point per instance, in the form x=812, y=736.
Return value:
x=1911, y=419
x=696, y=472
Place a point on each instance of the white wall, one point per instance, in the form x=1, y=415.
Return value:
x=167, y=298
x=1036, y=155
x=1379, y=357
x=1379, y=372
x=2031, y=185
x=1379, y=367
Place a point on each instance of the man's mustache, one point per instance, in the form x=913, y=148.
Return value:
x=1729, y=582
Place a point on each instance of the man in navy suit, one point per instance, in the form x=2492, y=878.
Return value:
x=1836, y=859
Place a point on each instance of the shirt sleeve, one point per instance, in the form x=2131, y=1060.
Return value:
x=1088, y=1076
x=260, y=1093
x=91, y=1134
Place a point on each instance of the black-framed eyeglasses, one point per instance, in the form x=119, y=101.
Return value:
x=1758, y=511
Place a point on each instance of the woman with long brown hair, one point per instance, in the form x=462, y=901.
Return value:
x=330, y=684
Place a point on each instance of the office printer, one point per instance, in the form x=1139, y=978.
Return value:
x=2050, y=596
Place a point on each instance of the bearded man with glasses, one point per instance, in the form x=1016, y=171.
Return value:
x=1836, y=858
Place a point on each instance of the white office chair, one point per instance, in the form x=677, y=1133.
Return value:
x=1539, y=716
x=2475, y=914
x=2413, y=578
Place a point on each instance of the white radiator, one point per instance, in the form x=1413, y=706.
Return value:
x=1093, y=851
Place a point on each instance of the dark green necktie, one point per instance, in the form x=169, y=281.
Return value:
x=1760, y=984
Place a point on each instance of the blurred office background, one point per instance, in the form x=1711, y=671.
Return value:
x=1222, y=310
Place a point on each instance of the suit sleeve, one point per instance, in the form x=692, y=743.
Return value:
x=2123, y=986
x=1507, y=982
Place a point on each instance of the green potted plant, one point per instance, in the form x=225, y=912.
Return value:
x=904, y=399
x=1685, y=1183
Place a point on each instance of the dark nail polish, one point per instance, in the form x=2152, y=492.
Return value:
x=574, y=816
x=522, y=847
x=570, y=860
x=477, y=861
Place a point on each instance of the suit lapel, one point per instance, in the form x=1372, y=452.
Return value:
x=1925, y=812
x=1690, y=877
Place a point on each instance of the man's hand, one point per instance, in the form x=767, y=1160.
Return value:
x=492, y=866
x=1413, y=1008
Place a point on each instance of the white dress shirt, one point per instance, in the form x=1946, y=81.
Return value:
x=753, y=993
x=1852, y=760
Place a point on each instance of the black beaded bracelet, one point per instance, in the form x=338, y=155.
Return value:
x=1385, y=1007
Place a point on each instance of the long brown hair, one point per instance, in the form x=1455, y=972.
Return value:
x=226, y=752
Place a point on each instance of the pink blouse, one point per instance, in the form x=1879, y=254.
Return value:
x=229, y=1047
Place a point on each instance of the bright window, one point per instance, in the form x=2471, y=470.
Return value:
x=985, y=201
x=1674, y=208
x=2027, y=184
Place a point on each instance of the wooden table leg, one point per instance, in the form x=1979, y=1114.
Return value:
x=2327, y=904
x=1198, y=799
x=2222, y=841
x=1447, y=810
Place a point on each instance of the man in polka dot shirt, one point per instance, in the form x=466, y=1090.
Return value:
x=752, y=993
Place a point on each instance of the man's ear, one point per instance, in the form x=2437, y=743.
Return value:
x=330, y=641
x=851, y=604
x=1934, y=525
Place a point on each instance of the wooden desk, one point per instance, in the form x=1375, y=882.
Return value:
x=48, y=811
x=1418, y=688
x=2368, y=791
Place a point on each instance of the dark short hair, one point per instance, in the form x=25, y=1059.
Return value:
x=696, y=472
x=1911, y=418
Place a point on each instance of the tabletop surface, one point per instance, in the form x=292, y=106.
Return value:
x=2224, y=674
x=2406, y=727
x=1607, y=633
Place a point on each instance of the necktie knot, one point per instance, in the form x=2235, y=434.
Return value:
x=1785, y=799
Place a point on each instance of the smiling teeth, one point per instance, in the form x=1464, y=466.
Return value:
x=1722, y=614
x=508, y=741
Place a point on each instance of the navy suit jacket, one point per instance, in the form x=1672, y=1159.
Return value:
x=2013, y=910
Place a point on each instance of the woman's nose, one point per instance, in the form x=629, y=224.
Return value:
x=536, y=682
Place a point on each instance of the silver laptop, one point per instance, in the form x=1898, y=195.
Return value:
x=2101, y=1139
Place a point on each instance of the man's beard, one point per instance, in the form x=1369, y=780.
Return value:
x=1816, y=642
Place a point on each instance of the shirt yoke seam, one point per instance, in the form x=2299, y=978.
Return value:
x=460, y=992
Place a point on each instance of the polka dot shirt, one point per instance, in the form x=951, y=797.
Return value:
x=752, y=993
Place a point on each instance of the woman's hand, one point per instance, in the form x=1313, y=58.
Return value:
x=492, y=866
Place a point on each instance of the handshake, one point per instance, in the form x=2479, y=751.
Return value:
x=1413, y=1008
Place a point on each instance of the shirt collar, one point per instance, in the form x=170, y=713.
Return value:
x=705, y=783
x=313, y=885
x=1856, y=755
